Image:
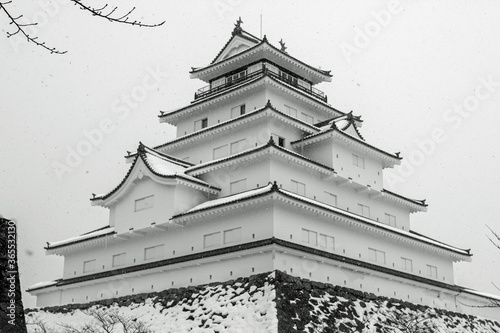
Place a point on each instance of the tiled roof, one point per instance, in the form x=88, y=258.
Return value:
x=243, y=84
x=342, y=122
x=415, y=201
x=335, y=129
x=237, y=119
x=91, y=235
x=247, y=246
x=252, y=150
x=159, y=164
x=264, y=41
x=262, y=191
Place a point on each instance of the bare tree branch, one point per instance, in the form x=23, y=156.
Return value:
x=21, y=30
x=102, y=12
x=109, y=16
x=496, y=242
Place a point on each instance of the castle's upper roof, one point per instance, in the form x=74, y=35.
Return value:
x=244, y=48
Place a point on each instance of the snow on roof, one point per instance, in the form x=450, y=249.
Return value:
x=43, y=284
x=164, y=116
x=264, y=43
x=378, y=224
x=273, y=187
x=251, y=150
x=166, y=167
x=101, y=232
x=230, y=199
x=159, y=164
x=268, y=105
x=325, y=130
x=482, y=294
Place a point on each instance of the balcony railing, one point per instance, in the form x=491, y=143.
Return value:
x=259, y=70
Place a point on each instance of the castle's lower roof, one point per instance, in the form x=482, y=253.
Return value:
x=273, y=188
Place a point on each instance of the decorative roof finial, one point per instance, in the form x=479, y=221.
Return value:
x=283, y=47
x=237, y=27
x=141, y=148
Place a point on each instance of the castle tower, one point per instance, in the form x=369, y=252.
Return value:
x=263, y=175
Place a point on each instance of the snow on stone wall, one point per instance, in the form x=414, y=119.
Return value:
x=266, y=303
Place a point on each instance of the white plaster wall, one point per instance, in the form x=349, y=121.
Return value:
x=256, y=173
x=220, y=111
x=255, y=133
x=177, y=241
x=125, y=216
x=347, y=197
x=340, y=159
x=171, y=277
x=49, y=298
x=354, y=242
x=305, y=267
x=279, y=98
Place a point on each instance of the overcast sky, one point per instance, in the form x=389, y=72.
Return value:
x=424, y=76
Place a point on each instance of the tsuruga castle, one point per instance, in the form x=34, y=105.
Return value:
x=263, y=175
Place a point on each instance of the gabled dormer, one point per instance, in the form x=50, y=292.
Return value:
x=240, y=41
x=154, y=189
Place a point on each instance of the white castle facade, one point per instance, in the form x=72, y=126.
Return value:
x=264, y=175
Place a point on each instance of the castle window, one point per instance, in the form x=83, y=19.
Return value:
x=288, y=78
x=144, y=203
x=290, y=111
x=326, y=242
x=364, y=210
x=406, y=264
x=221, y=151
x=432, y=271
x=298, y=187
x=232, y=235
x=212, y=239
x=376, y=256
x=236, y=77
x=280, y=141
x=201, y=123
x=358, y=161
x=119, y=259
x=217, y=83
x=238, y=146
x=390, y=219
x=310, y=237
x=307, y=118
x=238, y=111
x=254, y=68
x=330, y=199
x=153, y=252
x=89, y=266
x=238, y=186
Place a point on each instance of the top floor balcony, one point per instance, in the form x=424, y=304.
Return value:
x=258, y=70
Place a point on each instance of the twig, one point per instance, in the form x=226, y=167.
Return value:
x=122, y=19
x=20, y=29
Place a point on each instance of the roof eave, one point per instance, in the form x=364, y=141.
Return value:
x=318, y=76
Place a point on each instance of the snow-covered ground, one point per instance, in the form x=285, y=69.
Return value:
x=265, y=303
